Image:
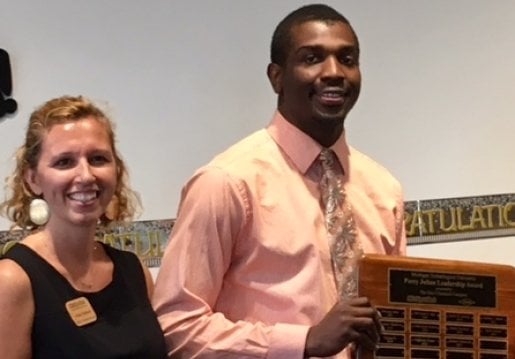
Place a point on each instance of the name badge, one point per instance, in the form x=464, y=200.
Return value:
x=81, y=311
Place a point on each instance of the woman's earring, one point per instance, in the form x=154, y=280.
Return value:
x=39, y=212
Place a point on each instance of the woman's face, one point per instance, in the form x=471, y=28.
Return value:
x=76, y=172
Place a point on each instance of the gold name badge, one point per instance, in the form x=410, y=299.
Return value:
x=81, y=311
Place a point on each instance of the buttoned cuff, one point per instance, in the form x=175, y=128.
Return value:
x=288, y=341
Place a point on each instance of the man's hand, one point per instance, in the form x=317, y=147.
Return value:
x=351, y=321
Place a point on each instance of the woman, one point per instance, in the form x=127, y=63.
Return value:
x=62, y=293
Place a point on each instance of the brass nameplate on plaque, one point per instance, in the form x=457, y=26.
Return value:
x=420, y=287
x=433, y=308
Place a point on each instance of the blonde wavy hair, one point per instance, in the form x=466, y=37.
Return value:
x=125, y=202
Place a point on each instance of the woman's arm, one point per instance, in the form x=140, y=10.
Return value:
x=16, y=311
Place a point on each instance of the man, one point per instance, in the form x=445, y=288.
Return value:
x=248, y=272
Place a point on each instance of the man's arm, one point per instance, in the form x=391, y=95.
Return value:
x=213, y=215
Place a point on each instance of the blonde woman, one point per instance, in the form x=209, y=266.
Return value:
x=62, y=293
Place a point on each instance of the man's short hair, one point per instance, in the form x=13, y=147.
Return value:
x=281, y=39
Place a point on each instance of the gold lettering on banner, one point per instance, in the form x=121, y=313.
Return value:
x=460, y=219
x=476, y=219
x=148, y=245
x=459, y=214
x=147, y=239
x=431, y=220
x=506, y=213
x=490, y=213
x=452, y=226
x=132, y=241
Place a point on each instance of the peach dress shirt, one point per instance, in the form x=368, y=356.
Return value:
x=247, y=270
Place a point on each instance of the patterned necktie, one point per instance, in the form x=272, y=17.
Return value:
x=345, y=249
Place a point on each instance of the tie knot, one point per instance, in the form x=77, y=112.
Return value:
x=327, y=158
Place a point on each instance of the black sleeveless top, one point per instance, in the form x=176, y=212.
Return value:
x=126, y=326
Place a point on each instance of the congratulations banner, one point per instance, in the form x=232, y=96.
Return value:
x=452, y=219
x=145, y=238
x=427, y=221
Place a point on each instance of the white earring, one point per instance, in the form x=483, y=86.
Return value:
x=39, y=212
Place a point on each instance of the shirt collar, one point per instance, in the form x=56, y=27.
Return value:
x=301, y=148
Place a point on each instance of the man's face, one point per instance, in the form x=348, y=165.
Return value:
x=320, y=81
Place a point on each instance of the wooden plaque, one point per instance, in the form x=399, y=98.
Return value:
x=440, y=309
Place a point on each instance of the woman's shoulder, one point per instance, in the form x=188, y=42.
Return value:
x=14, y=281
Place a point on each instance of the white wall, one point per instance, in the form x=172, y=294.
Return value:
x=185, y=79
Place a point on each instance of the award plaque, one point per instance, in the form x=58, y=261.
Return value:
x=440, y=309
